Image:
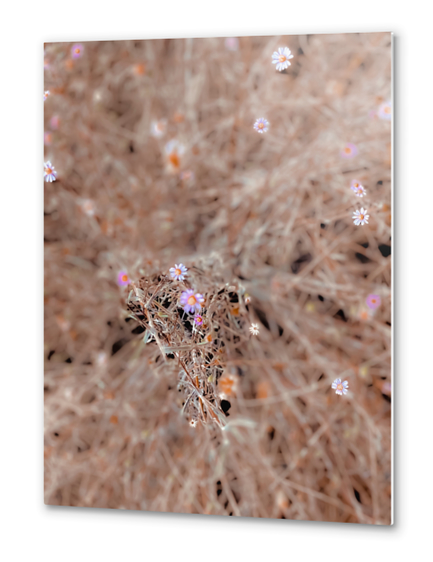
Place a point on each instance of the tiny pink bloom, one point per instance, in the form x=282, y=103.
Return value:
x=349, y=150
x=198, y=319
x=178, y=272
x=54, y=122
x=340, y=387
x=191, y=302
x=357, y=188
x=231, y=43
x=77, y=50
x=373, y=301
x=122, y=279
x=46, y=94
x=261, y=125
x=187, y=176
x=47, y=138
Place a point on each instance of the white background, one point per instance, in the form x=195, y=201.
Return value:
x=28, y=529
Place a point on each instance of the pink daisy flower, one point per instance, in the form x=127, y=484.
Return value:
x=373, y=301
x=198, y=320
x=178, y=272
x=349, y=150
x=77, y=50
x=191, y=302
x=340, y=387
x=50, y=173
x=281, y=58
x=122, y=279
x=261, y=125
x=357, y=188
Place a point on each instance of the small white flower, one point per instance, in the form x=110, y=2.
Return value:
x=46, y=94
x=281, y=58
x=178, y=272
x=158, y=128
x=192, y=423
x=360, y=217
x=247, y=299
x=358, y=189
x=261, y=125
x=340, y=387
x=254, y=329
x=50, y=173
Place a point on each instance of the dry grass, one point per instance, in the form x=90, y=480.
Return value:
x=266, y=214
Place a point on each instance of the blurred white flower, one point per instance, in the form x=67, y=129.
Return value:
x=158, y=128
x=385, y=111
x=254, y=329
x=358, y=189
x=46, y=94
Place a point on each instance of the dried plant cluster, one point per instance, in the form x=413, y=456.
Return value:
x=200, y=350
x=153, y=159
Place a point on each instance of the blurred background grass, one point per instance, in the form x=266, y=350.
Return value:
x=272, y=211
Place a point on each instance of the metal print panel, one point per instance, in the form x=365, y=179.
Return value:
x=218, y=276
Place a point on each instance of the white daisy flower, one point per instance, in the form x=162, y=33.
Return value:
x=360, y=217
x=281, y=58
x=358, y=189
x=340, y=387
x=50, y=173
x=261, y=125
x=46, y=94
x=254, y=329
x=192, y=423
x=158, y=128
x=178, y=272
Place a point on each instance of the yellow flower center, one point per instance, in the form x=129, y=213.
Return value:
x=281, y=58
x=347, y=150
x=77, y=51
x=124, y=278
x=387, y=109
x=361, y=217
x=192, y=300
x=339, y=387
x=356, y=185
x=177, y=271
x=49, y=171
x=261, y=125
